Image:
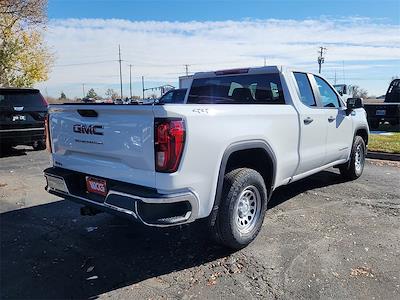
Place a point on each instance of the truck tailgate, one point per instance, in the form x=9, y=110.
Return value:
x=110, y=141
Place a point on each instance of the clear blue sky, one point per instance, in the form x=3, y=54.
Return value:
x=211, y=10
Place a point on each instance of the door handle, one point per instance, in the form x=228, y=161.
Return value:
x=331, y=119
x=308, y=120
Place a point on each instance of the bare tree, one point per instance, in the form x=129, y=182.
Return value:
x=112, y=94
x=28, y=12
x=359, y=92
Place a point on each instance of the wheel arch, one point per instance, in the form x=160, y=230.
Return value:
x=234, y=154
x=363, y=132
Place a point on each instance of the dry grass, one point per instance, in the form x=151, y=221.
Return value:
x=384, y=143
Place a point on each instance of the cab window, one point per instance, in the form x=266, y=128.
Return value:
x=328, y=95
x=305, y=91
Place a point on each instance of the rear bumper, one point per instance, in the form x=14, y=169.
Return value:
x=22, y=136
x=127, y=200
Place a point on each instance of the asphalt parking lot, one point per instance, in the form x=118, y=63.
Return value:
x=322, y=239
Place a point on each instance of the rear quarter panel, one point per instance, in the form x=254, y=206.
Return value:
x=211, y=129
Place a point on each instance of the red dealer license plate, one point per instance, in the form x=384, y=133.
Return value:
x=97, y=186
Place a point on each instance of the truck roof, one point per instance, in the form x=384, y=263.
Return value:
x=235, y=71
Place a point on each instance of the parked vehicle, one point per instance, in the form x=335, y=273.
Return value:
x=185, y=81
x=219, y=156
x=22, y=115
x=173, y=96
x=389, y=110
x=344, y=90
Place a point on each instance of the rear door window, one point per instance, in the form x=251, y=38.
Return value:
x=305, y=92
x=237, y=89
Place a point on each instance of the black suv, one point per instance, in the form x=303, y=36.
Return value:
x=173, y=96
x=22, y=115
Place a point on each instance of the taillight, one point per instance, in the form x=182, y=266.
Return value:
x=47, y=133
x=169, y=140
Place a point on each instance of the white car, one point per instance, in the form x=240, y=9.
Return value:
x=219, y=156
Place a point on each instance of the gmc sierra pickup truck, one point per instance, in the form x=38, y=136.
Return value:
x=219, y=156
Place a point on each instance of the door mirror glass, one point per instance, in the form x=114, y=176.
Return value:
x=353, y=103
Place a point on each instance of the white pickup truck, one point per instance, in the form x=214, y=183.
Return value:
x=219, y=156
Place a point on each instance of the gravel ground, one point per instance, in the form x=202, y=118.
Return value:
x=322, y=239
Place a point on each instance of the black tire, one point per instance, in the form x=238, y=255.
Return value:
x=38, y=145
x=242, y=188
x=354, y=168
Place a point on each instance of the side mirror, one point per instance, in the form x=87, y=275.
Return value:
x=353, y=103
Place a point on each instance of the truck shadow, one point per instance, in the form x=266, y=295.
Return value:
x=11, y=151
x=321, y=179
x=49, y=251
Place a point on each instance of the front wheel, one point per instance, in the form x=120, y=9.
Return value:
x=242, y=208
x=354, y=168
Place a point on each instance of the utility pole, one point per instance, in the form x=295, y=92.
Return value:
x=335, y=76
x=187, y=69
x=321, y=58
x=83, y=90
x=120, y=70
x=130, y=80
x=143, y=86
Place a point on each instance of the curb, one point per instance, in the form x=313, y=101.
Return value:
x=383, y=155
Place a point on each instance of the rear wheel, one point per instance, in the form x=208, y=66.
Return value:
x=242, y=208
x=354, y=168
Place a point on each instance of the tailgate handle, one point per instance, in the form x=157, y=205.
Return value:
x=88, y=113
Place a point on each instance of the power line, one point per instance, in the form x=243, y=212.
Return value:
x=87, y=63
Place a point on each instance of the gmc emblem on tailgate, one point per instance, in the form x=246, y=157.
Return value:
x=88, y=129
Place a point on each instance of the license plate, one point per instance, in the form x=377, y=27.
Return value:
x=19, y=118
x=380, y=112
x=97, y=186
